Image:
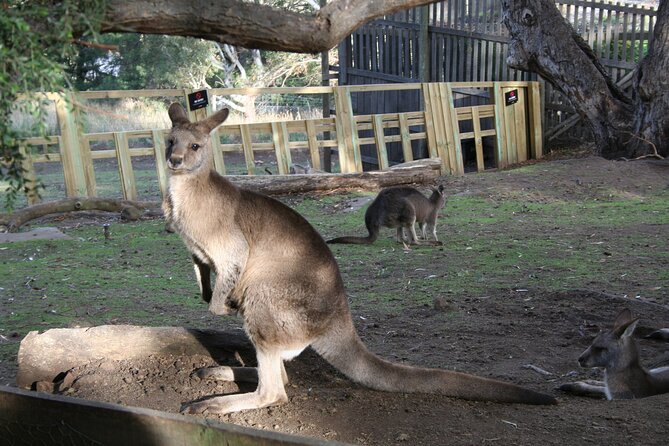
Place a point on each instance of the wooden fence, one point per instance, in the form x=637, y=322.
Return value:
x=466, y=41
x=462, y=124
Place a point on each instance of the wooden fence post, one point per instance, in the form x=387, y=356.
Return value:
x=29, y=175
x=281, y=139
x=536, y=128
x=247, y=146
x=161, y=162
x=312, y=141
x=381, y=152
x=347, y=132
x=70, y=147
x=125, y=171
x=497, y=95
x=406, y=138
x=452, y=127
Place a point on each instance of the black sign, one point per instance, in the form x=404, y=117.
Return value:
x=198, y=99
x=511, y=97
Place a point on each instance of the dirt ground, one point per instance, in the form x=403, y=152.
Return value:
x=497, y=335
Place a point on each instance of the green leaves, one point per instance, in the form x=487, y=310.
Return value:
x=35, y=38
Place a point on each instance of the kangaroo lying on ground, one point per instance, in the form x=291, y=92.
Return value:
x=401, y=207
x=624, y=377
x=275, y=270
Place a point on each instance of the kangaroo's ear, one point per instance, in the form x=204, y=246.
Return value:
x=629, y=329
x=441, y=188
x=624, y=325
x=624, y=317
x=177, y=114
x=216, y=119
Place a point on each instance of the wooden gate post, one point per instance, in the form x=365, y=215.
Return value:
x=70, y=147
x=347, y=132
x=501, y=159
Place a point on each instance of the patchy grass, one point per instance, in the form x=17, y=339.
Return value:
x=492, y=243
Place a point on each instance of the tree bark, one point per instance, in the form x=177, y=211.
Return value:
x=542, y=41
x=11, y=222
x=44, y=356
x=420, y=171
x=247, y=24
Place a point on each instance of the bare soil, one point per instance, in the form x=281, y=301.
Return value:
x=498, y=335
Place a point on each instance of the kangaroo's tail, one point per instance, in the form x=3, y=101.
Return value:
x=352, y=240
x=342, y=348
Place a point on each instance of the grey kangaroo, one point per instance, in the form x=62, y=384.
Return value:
x=624, y=378
x=401, y=207
x=274, y=270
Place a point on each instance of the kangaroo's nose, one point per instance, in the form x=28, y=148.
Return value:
x=176, y=160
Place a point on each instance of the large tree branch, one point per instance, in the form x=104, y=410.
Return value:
x=249, y=25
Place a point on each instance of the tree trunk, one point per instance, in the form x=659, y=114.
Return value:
x=542, y=41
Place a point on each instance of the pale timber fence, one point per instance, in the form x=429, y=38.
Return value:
x=466, y=41
x=499, y=132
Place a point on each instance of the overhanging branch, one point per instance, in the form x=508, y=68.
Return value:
x=247, y=24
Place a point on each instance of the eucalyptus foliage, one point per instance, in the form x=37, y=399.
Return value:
x=35, y=38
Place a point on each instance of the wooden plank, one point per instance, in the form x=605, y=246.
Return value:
x=126, y=174
x=280, y=138
x=247, y=146
x=441, y=128
x=520, y=109
x=452, y=116
x=379, y=138
x=510, y=130
x=429, y=124
x=28, y=417
x=405, y=135
x=501, y=159
x=535, y=117
x=312, y=142
x=217, y=152
x=29, y=176
x=161, y=160
x=478, y=139
x=70, y=148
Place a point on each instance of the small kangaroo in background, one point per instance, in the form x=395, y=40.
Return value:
x=274, y=270
x=401, y=207
x=624, y=378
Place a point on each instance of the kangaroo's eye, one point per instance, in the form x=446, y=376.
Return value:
x=195, y=146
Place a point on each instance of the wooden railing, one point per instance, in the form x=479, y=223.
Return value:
x=516, y=130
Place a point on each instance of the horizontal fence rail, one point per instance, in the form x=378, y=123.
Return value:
x=460, y=123
x=466, y=41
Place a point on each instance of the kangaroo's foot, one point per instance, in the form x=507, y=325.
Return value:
x=234, y=403
x=271, y=376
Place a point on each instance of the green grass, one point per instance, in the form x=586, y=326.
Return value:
x=491, y=246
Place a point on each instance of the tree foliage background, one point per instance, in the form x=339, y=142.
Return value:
x=39, y=53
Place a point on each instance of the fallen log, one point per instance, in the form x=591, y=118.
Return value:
x=11, y=222
x=416, y=172
x=45, y=356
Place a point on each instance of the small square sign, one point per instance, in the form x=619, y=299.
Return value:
x=511, y=97
x=198, y=99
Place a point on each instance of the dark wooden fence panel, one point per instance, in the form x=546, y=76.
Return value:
x=467, y=42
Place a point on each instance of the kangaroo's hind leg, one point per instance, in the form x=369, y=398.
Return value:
x=235, y=374
x=270, y=389
x=591, y=388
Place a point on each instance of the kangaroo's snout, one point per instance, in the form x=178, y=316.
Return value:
x=175, y=161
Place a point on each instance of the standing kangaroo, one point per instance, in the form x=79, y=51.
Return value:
x=624, y=378
x=401, y=207
x=275, y=270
